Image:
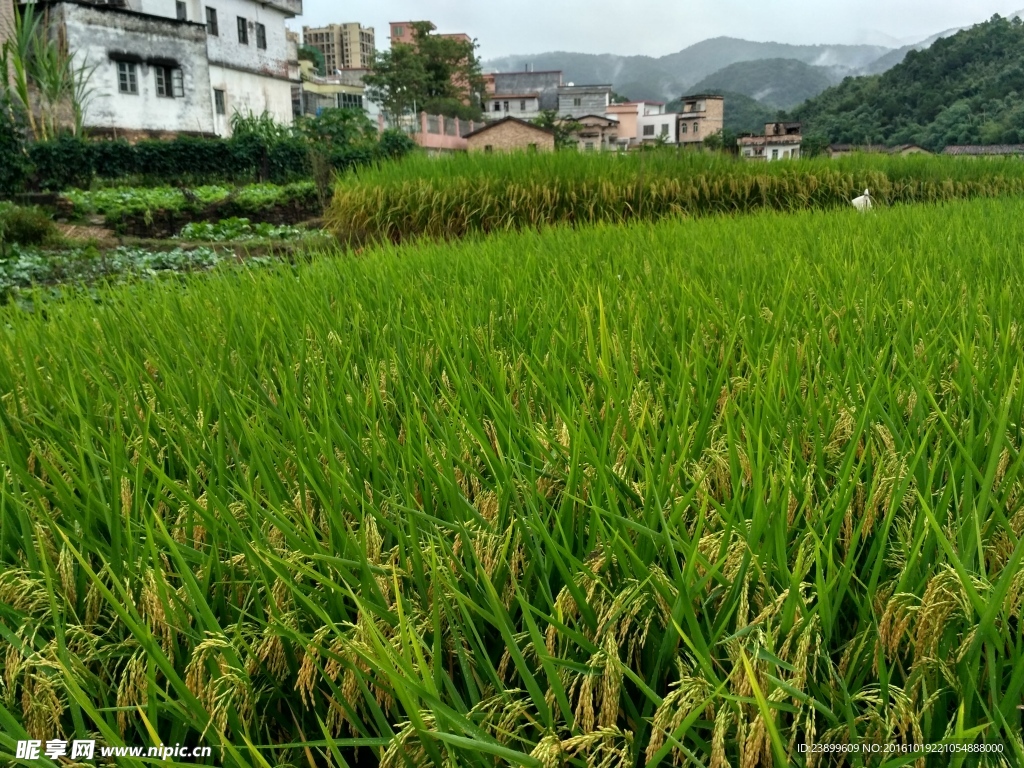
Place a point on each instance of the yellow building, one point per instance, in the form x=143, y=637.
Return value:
x=344, y=46
x=316, y=93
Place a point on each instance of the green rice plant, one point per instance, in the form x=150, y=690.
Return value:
x=444, y=198
x=699, y=492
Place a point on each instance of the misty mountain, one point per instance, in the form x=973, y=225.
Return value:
x=778, y=83
x=669, y=77
x=967, y=88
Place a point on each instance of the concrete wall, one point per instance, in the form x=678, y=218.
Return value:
x=6, y=23
x=544, y=84
x=663, y=126
x=253, y=80
x=524, y=109
x=511, y=137
x=99, y=36
x=578, y=101
x=246, y=92
x=226, y=51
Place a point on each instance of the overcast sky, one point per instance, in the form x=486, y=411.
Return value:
x=659, y=27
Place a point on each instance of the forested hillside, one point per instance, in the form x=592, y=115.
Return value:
x=778, y=83
x=964, y=89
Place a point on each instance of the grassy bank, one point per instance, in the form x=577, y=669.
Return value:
x=455, y=196
x=613, y=496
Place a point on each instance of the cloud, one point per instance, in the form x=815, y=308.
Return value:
x=659, y=27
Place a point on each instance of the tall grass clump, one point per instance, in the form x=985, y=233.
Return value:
x=450, y=197
x=709, y=492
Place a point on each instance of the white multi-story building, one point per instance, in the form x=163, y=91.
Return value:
x=164, y=67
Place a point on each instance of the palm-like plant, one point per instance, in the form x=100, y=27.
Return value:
x=44, y=82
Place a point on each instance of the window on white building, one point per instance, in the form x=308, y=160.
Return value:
x=648, y=130
x=219, y=103
x=211, y=22
x=577, y=102
x=350, y=101
x=505, y=105
x=127, y=77
x=243, y=31
x=169, y=82
x=182, y=10
x=775, y=154
x=589, y=146
x=497, y=106
x=664, y=129
x=261, y=36
x=522, y=105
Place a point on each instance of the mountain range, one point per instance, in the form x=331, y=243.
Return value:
x=778, y=75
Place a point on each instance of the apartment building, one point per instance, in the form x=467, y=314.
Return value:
x=702, y=115
x=344, y=46
x=170, y=67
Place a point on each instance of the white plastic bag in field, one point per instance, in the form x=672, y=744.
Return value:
x=863, y=203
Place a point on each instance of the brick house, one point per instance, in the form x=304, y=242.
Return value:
x=511, y=135
x=702, y=115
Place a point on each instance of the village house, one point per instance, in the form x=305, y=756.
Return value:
x=525, y=106
x=702, y=115
x=642, y=121
x=581, y=100
x=596, y=133
x=781, y=141
x=511, y=135
x=544, y=85
x=344, y=46
x=992, y=150
x=845, y=150
x=165, y=67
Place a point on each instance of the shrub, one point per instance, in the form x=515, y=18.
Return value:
x=114, y=159
x=14, y=165
x=66, y=162
x=26, y=226
x=395, y=144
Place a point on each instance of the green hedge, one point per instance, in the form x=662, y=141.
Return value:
x=74, y=162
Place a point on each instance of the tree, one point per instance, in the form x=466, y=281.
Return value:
x=721, y=141
x=565, y=128
x=435, y=74
x=315, y=55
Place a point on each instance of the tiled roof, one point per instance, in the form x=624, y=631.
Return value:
x=990, y=149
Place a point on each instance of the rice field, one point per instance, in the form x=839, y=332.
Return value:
x=446, y=198
x=719, y=491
